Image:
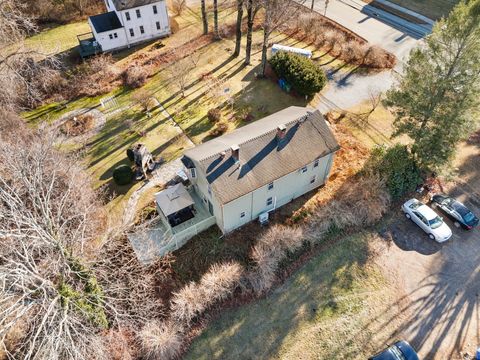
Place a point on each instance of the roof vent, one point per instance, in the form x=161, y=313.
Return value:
x=235, y=152
x=281, y=131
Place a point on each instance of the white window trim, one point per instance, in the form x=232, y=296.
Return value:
x=304, y=169
x=242, y=214
x=269, y=201
x=270, y=186
x=316, y=163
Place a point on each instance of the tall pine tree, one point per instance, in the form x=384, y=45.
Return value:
x=438, y=94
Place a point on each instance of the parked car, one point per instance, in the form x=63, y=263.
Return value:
x=427, y=220
x=456, y=211
x=401, y=350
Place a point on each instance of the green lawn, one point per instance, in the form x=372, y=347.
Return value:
x=434, y=9
x=329, y=309
x=59, y=38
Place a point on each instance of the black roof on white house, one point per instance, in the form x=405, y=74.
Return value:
x=106, y=22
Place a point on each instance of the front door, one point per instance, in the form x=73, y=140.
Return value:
x=210, y=208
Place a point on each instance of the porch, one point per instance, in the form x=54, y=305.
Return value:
x=88, y=45
x=185, y=217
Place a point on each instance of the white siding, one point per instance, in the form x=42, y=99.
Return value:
x=148, y=20
x=201, y=187
x=285, y=189
x=110, y=44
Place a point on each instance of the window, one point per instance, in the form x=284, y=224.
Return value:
x=270, y=186
x=127, y=15
x=304, y=169
x=269, y=201
x=242, y=214
x=115, y=35
x=312, y=180
x=142, y=30
x=315, y=164
x=158, y=25
x=193, y=172
x=132, y=34
x=138, y=13
x=110, y=36
x=155, y=11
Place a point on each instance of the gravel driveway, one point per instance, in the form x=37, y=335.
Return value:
x=438, y=304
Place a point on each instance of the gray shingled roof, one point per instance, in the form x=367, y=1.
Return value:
x=263, y=158
x=173, y=199
x=128, y=4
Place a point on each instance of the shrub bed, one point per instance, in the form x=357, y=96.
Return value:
x=306, y=77
x=123, y=175
x=397, y=166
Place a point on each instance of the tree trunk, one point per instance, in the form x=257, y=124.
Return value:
x=238, y=39
x=215, y=20
x=313, y=3
x=267, y=30
x=204, y=18
x=266, y=35
x=250, y=19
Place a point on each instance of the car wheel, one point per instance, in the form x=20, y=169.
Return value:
x=431, y=236
x=407, y=215
x=457, y=224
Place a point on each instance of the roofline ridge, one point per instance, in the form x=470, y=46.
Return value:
x=308, y=112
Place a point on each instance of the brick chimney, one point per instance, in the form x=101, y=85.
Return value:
x=235, y=152
x=281, y=131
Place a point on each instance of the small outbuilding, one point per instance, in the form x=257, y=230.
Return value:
x=176, y=204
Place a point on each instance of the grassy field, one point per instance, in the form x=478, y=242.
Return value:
x=237, y=92
x=434, y=9
x=329, y=309
x=58, y=39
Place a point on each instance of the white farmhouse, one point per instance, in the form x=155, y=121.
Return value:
x=126, y=23
x=241, y=176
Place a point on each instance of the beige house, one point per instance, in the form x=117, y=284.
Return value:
x=243, y=175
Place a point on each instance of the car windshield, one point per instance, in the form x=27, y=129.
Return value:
x=468, y=217
x=415, y=205
x=436, y=222
x=397, y=353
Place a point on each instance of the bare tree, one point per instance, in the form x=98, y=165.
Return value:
x=143, y=98
x=252, y=8
x=238, y=32
x=179, y=6
x=25, y=74
x=48, y=217
x=216, y=34
x=277, y=12
x=180, y=72
x=204, y=17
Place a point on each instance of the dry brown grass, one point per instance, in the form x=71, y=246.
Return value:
x=269, y=251
x=78, y=125
x=160, y=341
x=376, y=57
x=135, y=76
x=217, y=284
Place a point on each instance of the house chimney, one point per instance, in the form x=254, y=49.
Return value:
x=281, y=131
x=235, y=153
